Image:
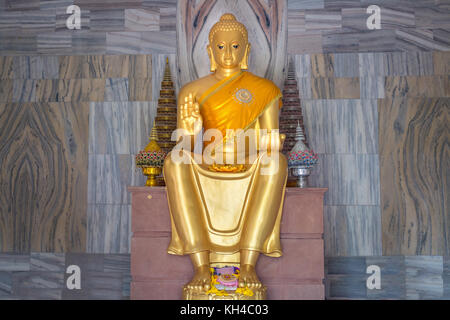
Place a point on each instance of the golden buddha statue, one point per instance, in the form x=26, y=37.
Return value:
x=227, y=212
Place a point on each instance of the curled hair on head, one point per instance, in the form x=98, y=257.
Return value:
x=228, y=22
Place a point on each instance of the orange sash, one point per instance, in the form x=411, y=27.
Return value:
x=237, y=102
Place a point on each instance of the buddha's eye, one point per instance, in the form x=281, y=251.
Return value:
x=220, y=46
x=235, y=46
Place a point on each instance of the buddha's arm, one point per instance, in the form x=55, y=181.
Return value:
x=269, y=121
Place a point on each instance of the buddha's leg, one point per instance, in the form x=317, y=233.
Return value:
x=186, y=212
x=262, y=211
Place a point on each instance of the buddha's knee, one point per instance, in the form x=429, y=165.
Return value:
x=274, y=164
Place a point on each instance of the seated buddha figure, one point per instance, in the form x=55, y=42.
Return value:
x=220, y=207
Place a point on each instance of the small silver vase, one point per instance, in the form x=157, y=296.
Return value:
x=301, y=173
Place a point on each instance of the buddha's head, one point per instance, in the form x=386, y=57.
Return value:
x=228, y=44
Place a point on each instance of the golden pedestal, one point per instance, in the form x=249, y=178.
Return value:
x=258, y=294
x=151, y=173
x=217, y=261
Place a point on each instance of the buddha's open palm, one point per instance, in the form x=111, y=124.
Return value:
x=190, y=115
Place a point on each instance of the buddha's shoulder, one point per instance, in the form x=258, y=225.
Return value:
x=267, y=83
x=196, y=86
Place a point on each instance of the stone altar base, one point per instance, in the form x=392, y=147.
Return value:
x=297, y=275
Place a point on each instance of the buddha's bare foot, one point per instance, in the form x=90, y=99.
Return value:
x=201, y=280
x=248, y=277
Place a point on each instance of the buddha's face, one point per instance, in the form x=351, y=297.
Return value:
x=229, y=48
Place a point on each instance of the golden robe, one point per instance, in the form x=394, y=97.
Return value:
x=223, y=212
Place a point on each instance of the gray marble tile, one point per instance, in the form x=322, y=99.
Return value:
x=87, y=262
x=110, y=128
x=54, y=43
x=38, y=279
x=372, y=87
x=305, y=4
x=158, y=42
x=338, y=4
x=345, y=265
x=442, y=37
x=117, y=263
x=408, y=63
x=55, y=4
x=123, y=42
x=17, y=43
x=41, y=261
x=432, y=17
x=337, y=41
x=168, y=19
x=354, y=19
x=10, y=21
x=109, y=176
x=341, y=126
x=352, y=230
x=446, y=277
x=22, y=5
x=126, y=289
x=109, y=20
x=142, y=19
x=116, y=89
x=109, y=229
x=346, y=286
x=323, y=20
x=302, y=65
x=35, y=67
x=372, y=64
x=392, y=18
x=104, y=285
x=392, y=270
x=346, y=65
x=383, y=40
x=24, y=90
x=89, y=43
x=5, y=284
x=353, y=179
x=304, y=42
x=36, y=293
x=14, y=262
x=296, y=21
x=409, y=39
x=424, y=277
x=38, y=21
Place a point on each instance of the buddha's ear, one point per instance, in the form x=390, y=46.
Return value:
x=211, y=58
x=244, y=62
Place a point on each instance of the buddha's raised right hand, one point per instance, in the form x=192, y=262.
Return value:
x=190, y=115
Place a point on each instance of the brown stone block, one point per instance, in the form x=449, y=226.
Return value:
x=69, y=90
x=71, y=67
x=441, y=61
x=322, y=88
x=140, y=66
x=46, y=90
x=427, y=86
x=6, y=67
x=117, y=66
x=157, y=290
x=140, y=89
x=302, y=212
x=346, y=88
x=6, y=90
x=150, y=211
x=93, y=89
x=322, y=65
x=150, y=261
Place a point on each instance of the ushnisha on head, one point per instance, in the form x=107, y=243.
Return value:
x=228, y=44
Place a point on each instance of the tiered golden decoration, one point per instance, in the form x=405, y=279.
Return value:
x=166, y=113
x=291, y=113
x=151, y=159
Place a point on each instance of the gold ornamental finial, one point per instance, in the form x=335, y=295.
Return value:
x=153, y=144
x=228, y=22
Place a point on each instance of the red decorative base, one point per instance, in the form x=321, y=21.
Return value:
x=298, y=274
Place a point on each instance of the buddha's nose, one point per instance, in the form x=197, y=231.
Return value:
x=228, y=53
